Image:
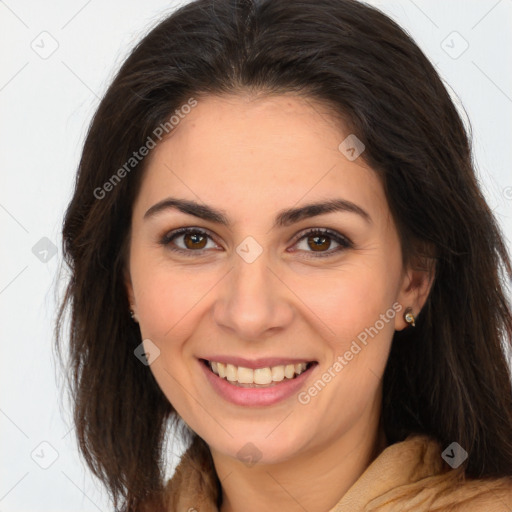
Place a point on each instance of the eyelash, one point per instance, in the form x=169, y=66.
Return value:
x=344, y=243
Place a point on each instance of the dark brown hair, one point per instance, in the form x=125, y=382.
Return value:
x=448, y=377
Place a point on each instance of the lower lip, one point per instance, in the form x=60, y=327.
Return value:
x=255, y=396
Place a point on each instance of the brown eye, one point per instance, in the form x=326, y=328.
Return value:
x=194, y=240
x=186, y=240
x=319, y=241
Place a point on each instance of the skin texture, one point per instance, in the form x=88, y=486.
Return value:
x=251, y=157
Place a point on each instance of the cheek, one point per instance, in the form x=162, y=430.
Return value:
x=168, y=297
x=359, y=311
x=169, y=301
x=350, y=300
x=354, y=307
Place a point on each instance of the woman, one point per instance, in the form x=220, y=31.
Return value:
x=277, y=241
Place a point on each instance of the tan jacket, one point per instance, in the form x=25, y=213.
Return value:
x=409, y=476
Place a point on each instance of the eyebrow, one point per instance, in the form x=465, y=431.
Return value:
x=284, y=218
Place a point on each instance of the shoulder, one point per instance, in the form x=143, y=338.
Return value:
x=482, y=495
x=445, y=489
x=412, y=476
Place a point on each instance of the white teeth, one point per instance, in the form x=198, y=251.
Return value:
x=231, y=372
x=260, y=376
x=277, y=373
x=245, y=375
x=289, y=371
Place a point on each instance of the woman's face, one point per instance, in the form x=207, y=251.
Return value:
x=249, y=287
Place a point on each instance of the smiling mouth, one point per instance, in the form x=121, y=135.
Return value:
x=259, y=377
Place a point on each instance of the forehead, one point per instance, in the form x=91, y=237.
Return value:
x=258, y=152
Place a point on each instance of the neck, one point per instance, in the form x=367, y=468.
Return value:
x=314, y=480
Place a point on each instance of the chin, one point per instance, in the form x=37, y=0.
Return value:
x=257, y=447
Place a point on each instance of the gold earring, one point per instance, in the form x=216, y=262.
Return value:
x=409, y=317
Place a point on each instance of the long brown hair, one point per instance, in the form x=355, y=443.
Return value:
x=448, y=377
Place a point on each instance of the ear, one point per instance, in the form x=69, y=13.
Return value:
x=416, y=285
x=129, y=291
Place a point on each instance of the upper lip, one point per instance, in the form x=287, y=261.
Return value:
x=263, y=362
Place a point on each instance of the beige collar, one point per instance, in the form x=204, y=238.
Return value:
x=409, y=476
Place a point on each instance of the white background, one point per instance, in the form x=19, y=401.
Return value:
x=45, y=107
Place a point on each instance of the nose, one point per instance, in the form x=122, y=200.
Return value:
x=254, y=302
